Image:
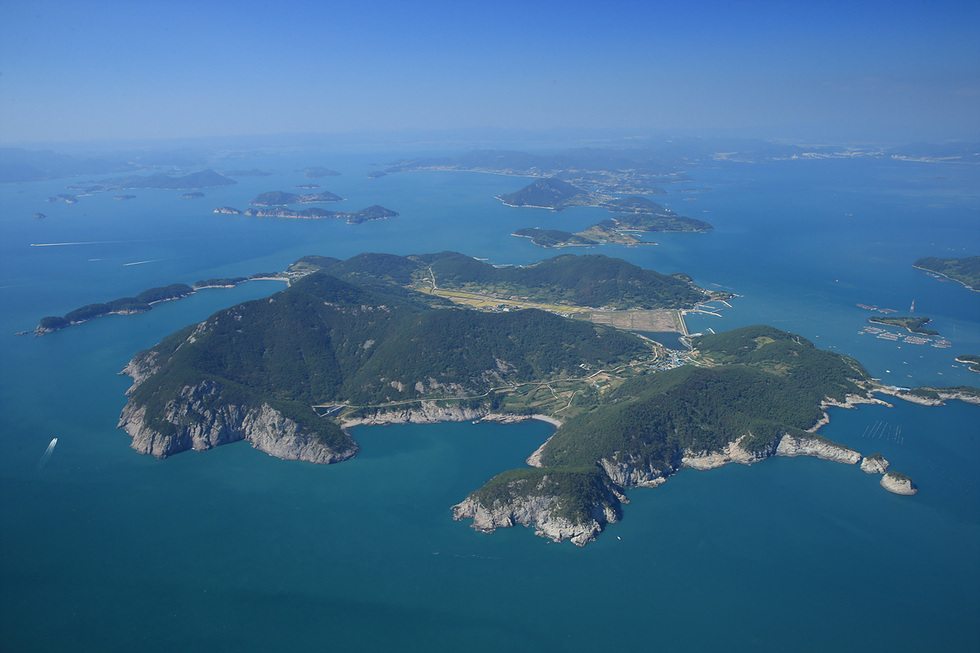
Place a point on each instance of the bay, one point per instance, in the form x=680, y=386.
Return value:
x=104, y=549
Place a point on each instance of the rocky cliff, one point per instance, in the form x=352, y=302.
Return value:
x=198, y=419
x=817, y=446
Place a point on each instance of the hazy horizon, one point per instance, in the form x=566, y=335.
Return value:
x=895, y=72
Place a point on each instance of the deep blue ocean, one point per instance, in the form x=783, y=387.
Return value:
x=102, y=549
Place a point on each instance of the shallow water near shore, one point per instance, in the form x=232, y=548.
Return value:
x=104, y=549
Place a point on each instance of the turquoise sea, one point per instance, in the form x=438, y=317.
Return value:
x=102, y=549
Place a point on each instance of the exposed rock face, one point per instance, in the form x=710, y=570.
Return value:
x=790, y=445
x=874, y=464
x=898, y=484
x=199, y=421
x=425, y=412
x=732, y=453
x=538, y=510
x=634, y=471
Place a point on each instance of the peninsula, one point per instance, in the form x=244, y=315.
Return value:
x=139, y=304
x=357, y=341
x=965, y=270
x=122, y=306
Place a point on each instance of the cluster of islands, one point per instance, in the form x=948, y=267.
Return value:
x=379, y=339
x=273, y=204
x=636, y=214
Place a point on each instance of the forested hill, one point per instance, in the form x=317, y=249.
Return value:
x=549, y=193
x=593, y=280
x=753, y=386
x=324, y=340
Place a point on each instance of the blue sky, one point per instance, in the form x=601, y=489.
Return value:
x=856, y=71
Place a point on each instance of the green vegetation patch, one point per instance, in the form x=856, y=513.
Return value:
x=912, y=324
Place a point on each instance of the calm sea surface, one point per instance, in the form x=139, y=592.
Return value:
x=102, y=549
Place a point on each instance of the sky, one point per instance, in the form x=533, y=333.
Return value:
x=889, y=72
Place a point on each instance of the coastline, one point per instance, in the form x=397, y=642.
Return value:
x=963, y=283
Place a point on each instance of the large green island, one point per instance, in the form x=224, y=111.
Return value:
x=380, y=339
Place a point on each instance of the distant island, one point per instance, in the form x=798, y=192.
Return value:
x=353, y=217
x=124, y=197
x=203, y=179
x=384, y=339
x=279, y=198
x=253, y=172
x=554, y=237
x=911, y=324
x=965, y=270
x=192, y=196
x=646, y=216
x=316, y=172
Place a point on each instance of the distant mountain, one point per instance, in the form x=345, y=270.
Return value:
x=316, y=172
x=203, y=179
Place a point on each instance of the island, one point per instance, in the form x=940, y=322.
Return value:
x=279, y=198
x=39, y=216
x=874, y=464
x=898, y=484
x=554, y=237
x=64, y=197
x=375, y=212
x=380, y=338
x=252, y=172
x=202, y=179
x=641, y=215
x=964, y=270
x=910, y=324
x=124, y=197
x=316, y=172
x=620, y=229
x=192, y=196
